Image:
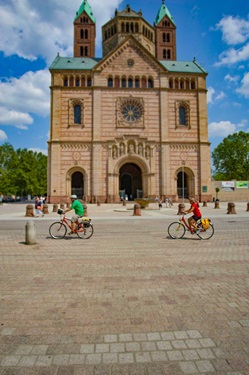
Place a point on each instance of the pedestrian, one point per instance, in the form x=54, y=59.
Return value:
x=38, y=207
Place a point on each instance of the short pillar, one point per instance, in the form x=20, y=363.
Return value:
x=30, y=233
x=137, y=210
x=55, y=207
x=216, y=204
x=181, y=208
x=62, y=206
x=30, y=210
x=85, y=209
x=247, y=206
x=204, y=204
x=45, y=209
x=98, y=203
x=231, y=208
x=124, y=202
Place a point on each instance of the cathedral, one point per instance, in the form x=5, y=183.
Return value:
x=132, y=123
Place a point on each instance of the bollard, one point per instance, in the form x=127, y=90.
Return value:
x=216, y=204
x=124, y=202
x=181, y=208
x=231, y=208
x=85, y=209
x=55, y=207
x=30, y=210
x=98, y=203
x=30, y=233
x=137, y=210
x=247, y=206
x=62, y=206
x=45, y=209
x=204, y=204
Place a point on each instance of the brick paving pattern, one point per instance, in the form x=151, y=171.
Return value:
x=129, y=300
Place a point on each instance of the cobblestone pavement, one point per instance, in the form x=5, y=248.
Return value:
x=128, y=301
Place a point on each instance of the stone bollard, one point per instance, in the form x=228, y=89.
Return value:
x=30, y=210
x=45, y=209
x=98, y=203
x=204, y=204
x=30, y=233
x=137, y=210
x=216, y=204
x=181, y=208
x=85, y=209
x=55, y=207
x=124, y=202
x=62, y=206
x=231, y=208
x=247, y=206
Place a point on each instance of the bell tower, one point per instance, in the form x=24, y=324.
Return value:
x=84, y=31
x=165, y=29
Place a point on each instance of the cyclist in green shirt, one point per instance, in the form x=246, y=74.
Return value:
x=78, y=209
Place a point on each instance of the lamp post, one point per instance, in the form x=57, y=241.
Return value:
x=183, y=164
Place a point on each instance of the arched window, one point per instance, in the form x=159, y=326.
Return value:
x=182, y=115
x=127, y=27
x=164, y=37
x=117, y=82
x=130, y=82
x=122, y=27
x=89, y=81
x=77, y=82
x=86, y=34
x=83, y=81
x=77, y=114
x=150, y=82
x=137, y=83
x=86, y=51
x=81, y=33
x=168, y=37
x=144, y=82
x=171, y=83
x=192, y=84
x=71, y=82
x=123, y=82
x=110, y=82
x=164, y=54
x=168, y=54
x=65, y=82
x=136, y=28
x=81, y=51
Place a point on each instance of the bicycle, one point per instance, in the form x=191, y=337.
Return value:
x=177, y=229
x=58, y=230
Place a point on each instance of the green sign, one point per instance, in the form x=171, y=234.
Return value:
x=204, y=189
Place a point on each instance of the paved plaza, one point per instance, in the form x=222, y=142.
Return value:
x=128, y=301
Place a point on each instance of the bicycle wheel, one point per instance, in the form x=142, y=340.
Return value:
x=176, y=230
x=205, y=234
x=85, y=230
x=57, y=230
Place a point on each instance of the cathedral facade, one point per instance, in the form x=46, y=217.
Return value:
x=133, y=123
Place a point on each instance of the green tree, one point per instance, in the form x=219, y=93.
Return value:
x=231, y=157
x=22, y=172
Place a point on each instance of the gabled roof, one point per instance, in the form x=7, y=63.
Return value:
x=73, y=63
x=183, y=66
x=163, y=11
x=85, y=7
x=128, y=12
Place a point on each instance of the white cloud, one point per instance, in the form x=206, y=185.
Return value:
x=234, y=30
x=44, y=152
x=43, y=28
x=231, y=79
x=233, y=56
x=244, y=89
x=221, y=129
x=212, y=97
x=27, y=94
x=18, y=119
x=3, y=136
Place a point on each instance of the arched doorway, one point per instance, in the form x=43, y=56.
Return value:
x=77, y=184
x=182, y=185
x=130, y=181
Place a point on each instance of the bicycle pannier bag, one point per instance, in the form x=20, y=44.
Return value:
x=205, y=223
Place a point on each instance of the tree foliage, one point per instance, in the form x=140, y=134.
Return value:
x=231, y=158
x=22, y=171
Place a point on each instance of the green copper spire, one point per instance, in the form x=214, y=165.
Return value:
x=85, y=7
x=163, y=11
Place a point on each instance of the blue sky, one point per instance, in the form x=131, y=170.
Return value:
x=32, y=32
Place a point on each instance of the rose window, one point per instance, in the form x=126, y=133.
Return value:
x=131, y=111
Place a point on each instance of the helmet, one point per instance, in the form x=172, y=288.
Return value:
x=73, y=196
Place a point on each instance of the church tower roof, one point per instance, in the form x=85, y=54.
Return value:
x=85, y=7
x=163, y=11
